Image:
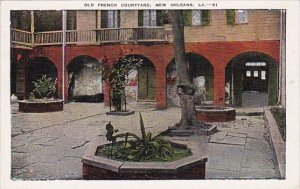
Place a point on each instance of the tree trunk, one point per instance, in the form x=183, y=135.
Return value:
x=185, y=90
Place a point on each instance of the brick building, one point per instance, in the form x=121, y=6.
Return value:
x=234, y=56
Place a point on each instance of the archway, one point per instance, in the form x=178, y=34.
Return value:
x=36, y=68
x=251, y=80
x=142, y=82
x=85, y=81
x=201, y=75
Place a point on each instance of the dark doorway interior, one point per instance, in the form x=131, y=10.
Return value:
x=251, y=80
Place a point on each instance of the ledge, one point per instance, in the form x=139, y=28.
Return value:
x=41, y=106
x=277, y=142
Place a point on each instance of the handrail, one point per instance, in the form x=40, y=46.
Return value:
x=94, y=36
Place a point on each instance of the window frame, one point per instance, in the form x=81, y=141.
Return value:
x=201, y=21
x=246, y=16
x=233, y=18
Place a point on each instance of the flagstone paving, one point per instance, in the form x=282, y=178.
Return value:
x=50, y=145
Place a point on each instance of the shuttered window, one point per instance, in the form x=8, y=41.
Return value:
x=236, y=16
x=200, y=17
x=110, y=19
x=147, y=18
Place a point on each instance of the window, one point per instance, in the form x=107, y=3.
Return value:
x=255, y=73
x=242, y=16
x=236, y=16
x=248, y=73
x=110, y=19
x=200, y=17
x=263, y=75
x=147, y=18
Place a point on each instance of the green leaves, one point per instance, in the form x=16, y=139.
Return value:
x=143, y=149
x=44, y=88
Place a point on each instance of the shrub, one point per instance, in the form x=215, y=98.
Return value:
x=43, y=88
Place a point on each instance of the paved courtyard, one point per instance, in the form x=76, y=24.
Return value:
x=50, y=145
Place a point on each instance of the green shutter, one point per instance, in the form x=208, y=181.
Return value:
x=140, y=18
x=230, y=16
x=187, y=17
x=205, y=17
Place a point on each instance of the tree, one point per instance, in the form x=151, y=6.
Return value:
x=116, y=75
x=185, y=89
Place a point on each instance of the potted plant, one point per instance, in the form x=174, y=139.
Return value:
x=129, y=156
x=41, y=98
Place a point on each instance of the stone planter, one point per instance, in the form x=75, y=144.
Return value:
x=40, y=106
x=215, y=114
x=95, y=167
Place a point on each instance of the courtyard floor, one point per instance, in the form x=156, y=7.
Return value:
x=50, y=145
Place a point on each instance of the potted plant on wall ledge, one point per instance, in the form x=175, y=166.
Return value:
x=41, y=98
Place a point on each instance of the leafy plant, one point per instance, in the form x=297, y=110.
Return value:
x=116, y=76
x=43, y=88
x=144, y=148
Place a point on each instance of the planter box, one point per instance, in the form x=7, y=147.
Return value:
x=95, y=167
x=215, y=114
x=40, y=106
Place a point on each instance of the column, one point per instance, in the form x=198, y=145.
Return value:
x=161, y=88
x=219, y=85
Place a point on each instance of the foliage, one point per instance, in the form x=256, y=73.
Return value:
x=162, y=17
x=117, y=75
x=230, y=15
x=47, y=20
x=146, y=148
x=280, y=117
x=43, y=88
x=187, y=17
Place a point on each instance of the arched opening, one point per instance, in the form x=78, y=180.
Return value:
x=36, y=68
x=85, y=81
x=251, y=80
x=146, y=80
x=201, y=75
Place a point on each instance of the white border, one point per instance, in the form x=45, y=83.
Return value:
x=292, y=80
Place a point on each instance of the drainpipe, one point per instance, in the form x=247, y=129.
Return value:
x=281, y=91
x=64, y=27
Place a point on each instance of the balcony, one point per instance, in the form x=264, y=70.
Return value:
x=25, y=39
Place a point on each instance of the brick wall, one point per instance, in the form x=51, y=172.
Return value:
x=86, y=20
x=262, y=25
x=218, y=54
x=128, y=19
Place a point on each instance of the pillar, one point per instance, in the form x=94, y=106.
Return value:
x=161, y=88
x=59, y=83
x=219, y=85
